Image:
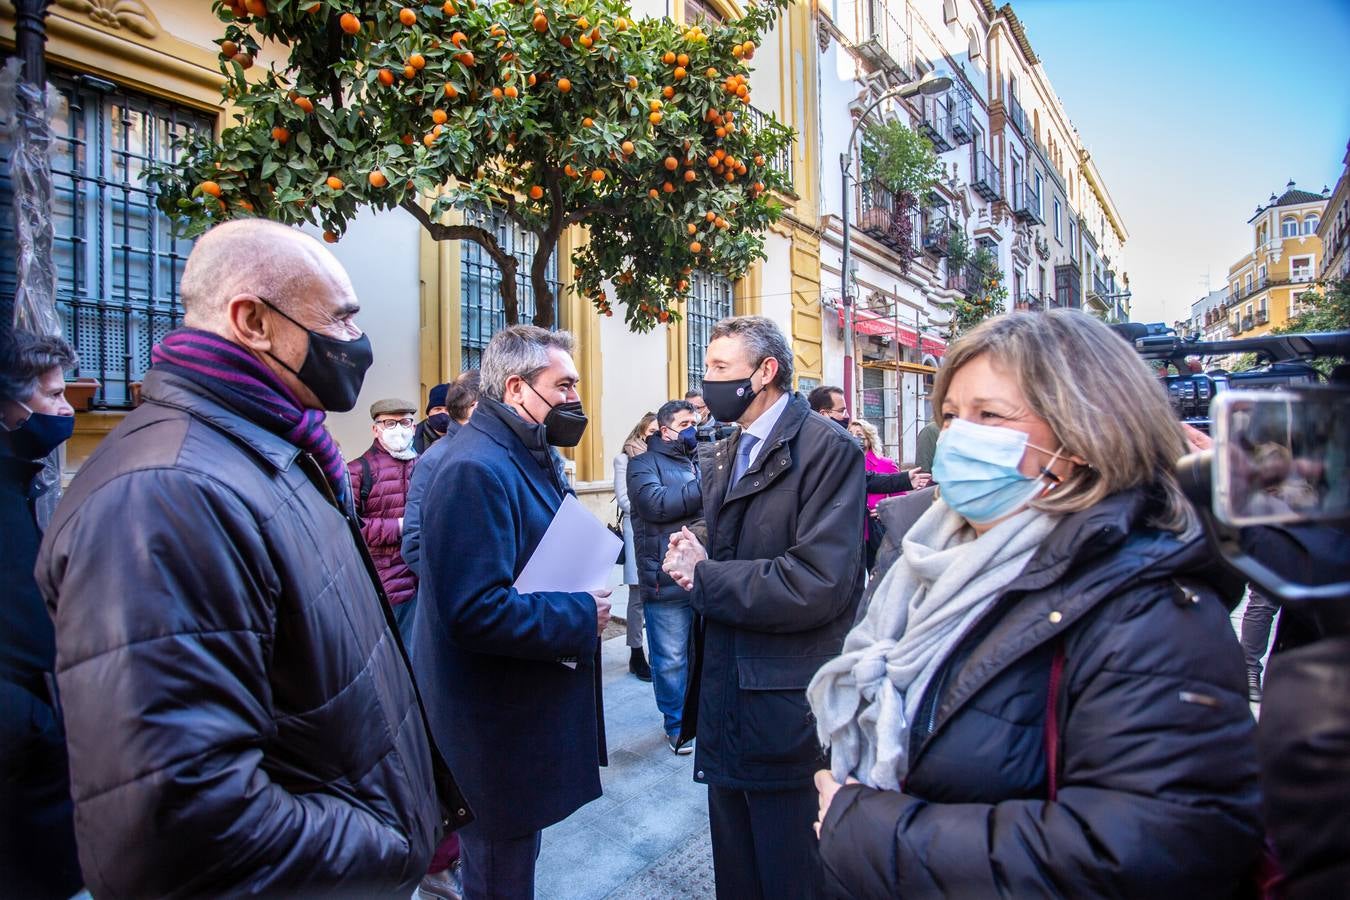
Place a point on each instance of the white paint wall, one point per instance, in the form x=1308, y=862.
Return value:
x=634, y=367
x=380, y=253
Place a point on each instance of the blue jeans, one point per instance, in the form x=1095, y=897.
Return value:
x=668, y=627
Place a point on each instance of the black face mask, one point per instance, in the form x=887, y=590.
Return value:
x=40, y=434
x=728, y=400
x=333, y=369
x=565, y=423
x=439, y=422
x=844, y=422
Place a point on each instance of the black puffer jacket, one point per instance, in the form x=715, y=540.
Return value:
x=664, y=491
x=241, y=719
x=1157, y=787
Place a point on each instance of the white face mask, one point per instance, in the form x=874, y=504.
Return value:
x=397, y=440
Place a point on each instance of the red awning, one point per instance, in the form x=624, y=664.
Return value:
x=867, y=322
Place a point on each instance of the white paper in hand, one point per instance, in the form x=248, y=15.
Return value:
x=576, y=554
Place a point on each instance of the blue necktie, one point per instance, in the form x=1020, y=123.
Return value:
x=747, y=443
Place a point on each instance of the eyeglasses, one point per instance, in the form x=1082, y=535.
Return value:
x=386, y=424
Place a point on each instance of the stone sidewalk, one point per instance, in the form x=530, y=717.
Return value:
x=646, y=838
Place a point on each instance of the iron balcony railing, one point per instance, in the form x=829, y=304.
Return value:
x=937, y=235
x=966, y=278
x=936, y=124
x=1247, y=323
x=987, y=181
x=782, y=161
x=959, y=114
x=1099, y=287
x=1026, y=203
x=882, y=217
x=1029, y=301
x=879, y=38
x=1017, y=115
x=1262, y=317
x=1298, y=276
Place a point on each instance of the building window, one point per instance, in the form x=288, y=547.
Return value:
x=1289, y=227
x=874, y=397
x=1249, y=282
x=1072, y=233
x=1301, y=268
x=1040, y=197
x=710, y=301
x=1059, y=234
x=1067, y=287
x=1310, y=224
x=701, y=10
x=480, y=297
x=118, y=263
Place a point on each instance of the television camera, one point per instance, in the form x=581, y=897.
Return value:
x=1285, y=361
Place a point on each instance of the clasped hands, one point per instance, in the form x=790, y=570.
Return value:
x=684, y=553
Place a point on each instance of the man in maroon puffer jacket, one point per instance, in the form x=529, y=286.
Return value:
x=380, y=478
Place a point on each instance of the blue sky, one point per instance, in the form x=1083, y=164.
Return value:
x=1195, y=111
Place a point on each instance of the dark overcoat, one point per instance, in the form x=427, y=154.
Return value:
x=524, y=725
x=665, y=494
x=1154, y=742
x=775, y=598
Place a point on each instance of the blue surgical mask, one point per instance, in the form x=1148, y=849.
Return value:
x=977, y=469
x=689, y=438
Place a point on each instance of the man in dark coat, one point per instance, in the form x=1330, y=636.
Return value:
x=664, y=489
x=775, y=590
x=512, y=680
x=37, y=831
x=241, y=719
x=828, y=401
x=437, y=421
x=380, y=479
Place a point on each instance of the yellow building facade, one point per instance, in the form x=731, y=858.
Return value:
x=1265, y=285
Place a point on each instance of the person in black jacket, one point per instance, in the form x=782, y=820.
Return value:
x=37, y=831
x=1044, y=696
x=241, y=716
x=665, y=495
x=828, y=401
x=775, y=591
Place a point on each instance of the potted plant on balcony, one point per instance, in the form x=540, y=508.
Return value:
x=80, y=392
x=904, y=162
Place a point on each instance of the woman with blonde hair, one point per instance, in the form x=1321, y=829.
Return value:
x=633, y=445
x=1044, y=695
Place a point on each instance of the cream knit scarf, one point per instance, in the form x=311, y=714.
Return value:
x=865, y=700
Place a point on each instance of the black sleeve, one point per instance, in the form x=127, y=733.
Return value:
x=886, y=483
x=653, y=501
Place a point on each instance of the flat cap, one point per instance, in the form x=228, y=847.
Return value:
x=390, y=407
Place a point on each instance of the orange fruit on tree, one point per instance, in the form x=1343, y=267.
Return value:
x=407, y=138
x=334, y=183
x=653, y=193
x=583, y=23
x=738, y=51
x=691, y=228
x=496, y=93
x=570, y=170
x=671, y=164
x=627, y=148
x=536, y=192
x=759, y=159
x=228, y=49
x=458, y=38
x=566, y=41
x=731, y=176
x=632, y=83
x=449, y=8
x=759, y=186
x=721, y=132
x=385, y=77
x=417, y=61
x=409, y=72
x=209, y=187
x=710, y=216
x=668, y=92
x=711, y=72
x=280, y=135
x=588, y=122
x=330, y=237
x=377, y=179
x=244, y=59
x=680, y=73
x=439, y=116
x=668, y=187
x=511, y=91
x=256, y=7
x=690, y=175
x=349, y=23
x=304, y=103
x=620, y=24
x=466, y=58
x=540, y=23
x=407, y=16
x=695, y=247
x=585, y=41
x=428, y=139
x=669, y=58
x=664, y=316
x=451, y=91
x=532, y=80
x=598, y=176
x=682, y=59
x=655, y=118
x=655, y=105
x=564, y=85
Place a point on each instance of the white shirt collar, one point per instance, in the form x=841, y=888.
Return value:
x=764, y=425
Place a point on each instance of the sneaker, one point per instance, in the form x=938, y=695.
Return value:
x=637, y=665
x=444, y=885
x=673, y=741
x=1253, y=686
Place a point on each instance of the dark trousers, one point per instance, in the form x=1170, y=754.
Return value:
x=1256, y=622
x=498, y=869
x=763, y=844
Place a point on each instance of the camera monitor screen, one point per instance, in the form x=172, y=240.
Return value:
x=1281, y=456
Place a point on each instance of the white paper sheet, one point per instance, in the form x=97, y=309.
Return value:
x=576, y=554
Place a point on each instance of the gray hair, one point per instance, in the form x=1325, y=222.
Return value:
x=1111, y=412
x=762, y=338
x=25, y=358
x=520, y=350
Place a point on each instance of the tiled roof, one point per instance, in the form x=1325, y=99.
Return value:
x=1293, y=196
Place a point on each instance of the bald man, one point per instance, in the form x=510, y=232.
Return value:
x=241, y=717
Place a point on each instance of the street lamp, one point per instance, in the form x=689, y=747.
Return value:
x=929, y=84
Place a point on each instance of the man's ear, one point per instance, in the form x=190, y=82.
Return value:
x=244, y=312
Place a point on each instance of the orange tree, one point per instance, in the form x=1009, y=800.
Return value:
x=556, y=112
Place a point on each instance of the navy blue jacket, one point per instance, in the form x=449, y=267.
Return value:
x=524, y=726
x=666, y=495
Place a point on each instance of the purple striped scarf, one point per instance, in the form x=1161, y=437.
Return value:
x=254, y=391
